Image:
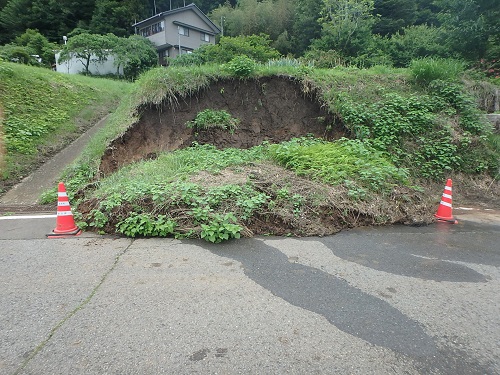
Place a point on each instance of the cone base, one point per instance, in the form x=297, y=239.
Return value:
x=450, y=220
x=73, y=233
x=65, y=231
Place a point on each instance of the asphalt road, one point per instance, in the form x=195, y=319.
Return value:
x=392, y=300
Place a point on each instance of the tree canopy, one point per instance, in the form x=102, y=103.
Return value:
x=363, y=32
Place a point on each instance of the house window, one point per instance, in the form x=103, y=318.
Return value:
x=152, y=29
x=205, y=37
x=183, y=30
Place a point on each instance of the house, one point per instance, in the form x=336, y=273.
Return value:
x=178, y=31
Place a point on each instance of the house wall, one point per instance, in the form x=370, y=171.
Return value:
x=159, y=38
x=170, y=35
x=192, y=41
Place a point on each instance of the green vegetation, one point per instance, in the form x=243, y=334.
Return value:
x=345, y=161
x=405, y=131
x=210, y=118
x=238, y=51
x=30, y=48
x=241, y=66
x=44, y=110
x=427, y=70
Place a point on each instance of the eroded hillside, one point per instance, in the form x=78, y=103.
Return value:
x=270, y=109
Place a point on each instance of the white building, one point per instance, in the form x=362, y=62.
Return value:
x=76, y=66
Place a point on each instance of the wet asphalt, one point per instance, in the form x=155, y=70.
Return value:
x=388, y=300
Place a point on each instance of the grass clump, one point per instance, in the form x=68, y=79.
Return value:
x=428, y=69
x=210, y=118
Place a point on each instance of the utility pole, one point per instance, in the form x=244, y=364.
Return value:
x=179, y=32
x=222, y=25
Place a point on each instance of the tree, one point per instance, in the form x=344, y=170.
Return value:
x=117, y=16
x=252, y=17
x=76, y=13
x=52, y=18
x=37, y=44
x=393, y=15
x=206, y=6
x=464, y=22
x=305, y=26
x=426, y=13
x=136, y=54
x=346, y=26
x=87, y=48
x=42, y=15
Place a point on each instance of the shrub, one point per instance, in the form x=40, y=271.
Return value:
x=256, y=47
x=415, y=42
x=187, y=59
x=241, y=66
x=17, y=54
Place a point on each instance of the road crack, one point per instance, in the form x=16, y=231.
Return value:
x=73, y=312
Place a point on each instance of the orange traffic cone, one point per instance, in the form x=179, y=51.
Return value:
x=444, y=212
x=65, y=224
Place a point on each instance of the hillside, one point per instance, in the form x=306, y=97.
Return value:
x=198, y=152
x=42, y=111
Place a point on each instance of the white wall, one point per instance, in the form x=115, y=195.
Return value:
x=74, y=66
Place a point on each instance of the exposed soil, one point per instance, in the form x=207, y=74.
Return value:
x=270, y=109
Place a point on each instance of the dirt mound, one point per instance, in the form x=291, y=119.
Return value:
x=273, y=109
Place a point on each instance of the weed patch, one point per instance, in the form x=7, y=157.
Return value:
x=210, y=118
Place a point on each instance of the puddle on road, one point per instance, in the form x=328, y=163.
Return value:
x=348, y=308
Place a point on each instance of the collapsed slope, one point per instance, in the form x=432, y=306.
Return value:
x=258, y=195
x=161, y=176
x=272, y=109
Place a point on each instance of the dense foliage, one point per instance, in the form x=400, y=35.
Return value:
x=361, y=32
